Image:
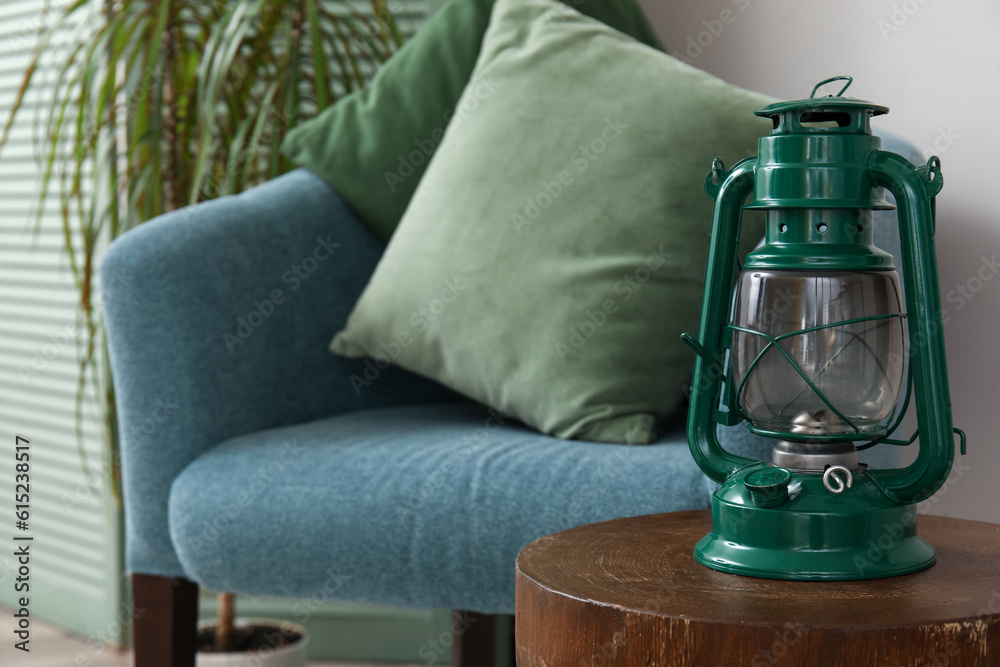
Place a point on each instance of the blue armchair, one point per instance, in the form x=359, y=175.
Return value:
x=257, y=462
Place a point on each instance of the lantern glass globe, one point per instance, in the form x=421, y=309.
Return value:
x=857, y=366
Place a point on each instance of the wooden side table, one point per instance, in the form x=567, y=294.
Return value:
x=629, y=593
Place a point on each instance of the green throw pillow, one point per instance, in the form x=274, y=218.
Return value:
x=555, y=249
x=374, y=145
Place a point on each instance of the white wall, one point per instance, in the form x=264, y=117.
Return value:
x=936, y=65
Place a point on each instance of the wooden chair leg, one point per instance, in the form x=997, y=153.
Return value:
x=482, y=640
x=166, y=617
x=475, y=639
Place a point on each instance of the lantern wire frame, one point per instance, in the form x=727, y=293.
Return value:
x=893, y=421
x=773, y=342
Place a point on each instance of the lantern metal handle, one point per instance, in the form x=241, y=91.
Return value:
x=729, y=189
x=848, y=79
x=914, y=189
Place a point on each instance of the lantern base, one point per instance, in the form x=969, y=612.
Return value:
x=814, y=534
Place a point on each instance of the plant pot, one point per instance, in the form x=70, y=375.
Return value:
x=262, y=642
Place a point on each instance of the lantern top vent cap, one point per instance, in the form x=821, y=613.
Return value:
x=826, y=103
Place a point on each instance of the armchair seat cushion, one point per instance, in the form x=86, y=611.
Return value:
x=419, y=506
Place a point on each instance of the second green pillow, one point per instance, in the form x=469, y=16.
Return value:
x=374, y=145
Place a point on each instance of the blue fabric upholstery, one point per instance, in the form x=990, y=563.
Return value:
x=175, y=291
x=420, y=506
x=218, y=320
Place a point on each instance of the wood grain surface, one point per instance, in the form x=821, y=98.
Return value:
x=629, y=592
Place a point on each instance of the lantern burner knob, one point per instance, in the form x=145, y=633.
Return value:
x=837, y=479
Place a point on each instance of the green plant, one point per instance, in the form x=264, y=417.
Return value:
x=159, y=104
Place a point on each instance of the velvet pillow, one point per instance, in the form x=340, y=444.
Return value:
x=555, y=249
x=374, y=145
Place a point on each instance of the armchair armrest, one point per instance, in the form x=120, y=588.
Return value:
x=218, y=319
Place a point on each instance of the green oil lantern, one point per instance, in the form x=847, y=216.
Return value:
x=812, y=344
